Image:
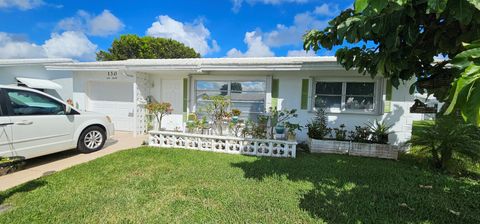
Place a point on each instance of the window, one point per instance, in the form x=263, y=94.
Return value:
x=328, y=95
x=247, y=96
x=30, y=103
x=345, y=96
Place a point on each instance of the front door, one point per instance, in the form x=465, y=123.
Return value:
x=40, y=125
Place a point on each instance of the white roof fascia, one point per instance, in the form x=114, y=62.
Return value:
x=33, y=61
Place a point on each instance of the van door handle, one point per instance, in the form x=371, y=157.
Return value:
x=25, y=122
x=5, y=124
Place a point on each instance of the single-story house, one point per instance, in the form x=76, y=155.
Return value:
x=120, y=89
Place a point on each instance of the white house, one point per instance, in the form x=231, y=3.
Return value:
x=120, y=89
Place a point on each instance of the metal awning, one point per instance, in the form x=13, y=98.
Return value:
x=38, y=83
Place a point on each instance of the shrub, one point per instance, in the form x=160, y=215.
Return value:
x=448, y=135
x=380, y=131
x=317, y=128
x=361, y=134
x=340, y=133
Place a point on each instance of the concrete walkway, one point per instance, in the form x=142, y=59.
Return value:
x=45, y=165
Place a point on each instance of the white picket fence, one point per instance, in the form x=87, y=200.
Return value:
x=224, y=144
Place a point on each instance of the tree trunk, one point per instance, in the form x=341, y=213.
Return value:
x=436, y=158
x=446, y=156
x=159, y=119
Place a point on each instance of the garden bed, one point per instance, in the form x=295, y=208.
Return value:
x=10, y=164
x=384, y=151
x=224, y=144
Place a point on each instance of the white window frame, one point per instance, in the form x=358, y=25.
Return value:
x=377, y=94
x=229, y=80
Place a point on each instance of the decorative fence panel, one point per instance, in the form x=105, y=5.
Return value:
x=224, y=144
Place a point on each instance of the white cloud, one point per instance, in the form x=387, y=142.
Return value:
x=285, y=35
x=300, y=53
x=103, y=24
x=327, y=10
x=237, y=4
x=11, y=47
x=194, y=35
x=21, y=4
x=256, y=47
x=69, y=44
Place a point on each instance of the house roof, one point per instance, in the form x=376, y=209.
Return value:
x=203, y=64
x=33, y=61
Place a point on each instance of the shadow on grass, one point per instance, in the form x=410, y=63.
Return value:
x=363, y=190
x=30, y=186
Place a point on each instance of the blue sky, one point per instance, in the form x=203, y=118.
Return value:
x=228, y=28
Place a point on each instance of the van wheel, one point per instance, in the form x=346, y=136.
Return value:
x=92, y=139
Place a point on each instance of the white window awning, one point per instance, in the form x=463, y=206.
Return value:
x=39, y=83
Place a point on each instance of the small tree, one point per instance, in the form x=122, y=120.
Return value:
x=317, y=128
x=131, y=46
x=447, y=136
x=217, y=111
x=159, y=110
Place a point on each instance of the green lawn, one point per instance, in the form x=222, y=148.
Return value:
x=163, y=185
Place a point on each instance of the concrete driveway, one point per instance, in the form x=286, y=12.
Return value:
x=46, y=165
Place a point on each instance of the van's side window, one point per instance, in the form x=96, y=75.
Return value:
x=31, y=103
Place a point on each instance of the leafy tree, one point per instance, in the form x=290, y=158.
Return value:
x=131, y=46
x=447, y=136
x=398, y=39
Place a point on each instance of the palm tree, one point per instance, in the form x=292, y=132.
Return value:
x=447, y=136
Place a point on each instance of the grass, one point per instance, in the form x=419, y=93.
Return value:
x=152, y=185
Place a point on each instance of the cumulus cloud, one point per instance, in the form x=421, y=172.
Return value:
x=12, y=47
x=256, y=47
x=285, y=35
x=104, y=24
x=21, y=4
x=300, y=53
x=194, y=35
x=237, y=4
x=327, y=10
x=70, y=44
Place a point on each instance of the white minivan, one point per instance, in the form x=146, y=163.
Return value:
x=33, y=123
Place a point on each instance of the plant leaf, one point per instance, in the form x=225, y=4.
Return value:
x=360, y=5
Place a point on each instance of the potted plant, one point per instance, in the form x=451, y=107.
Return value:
x=380, y=131
x=292, y=128
x=235, y=114
x=278, y=118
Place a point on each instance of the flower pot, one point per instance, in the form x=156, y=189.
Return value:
x=280, y=129
x=235, y=119
x=383, y=139
x=291, y=137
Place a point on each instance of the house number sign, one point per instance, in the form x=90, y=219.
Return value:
x=112, y=75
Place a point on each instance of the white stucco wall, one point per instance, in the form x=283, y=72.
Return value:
x=168, y=87
x=400, y=116
x=63, y=78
